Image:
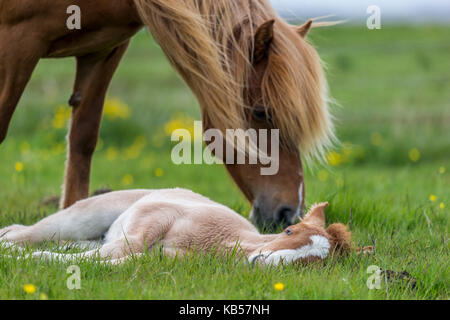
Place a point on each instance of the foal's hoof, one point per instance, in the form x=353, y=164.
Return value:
x=15, y=227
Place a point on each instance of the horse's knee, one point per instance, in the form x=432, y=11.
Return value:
x=75, y=99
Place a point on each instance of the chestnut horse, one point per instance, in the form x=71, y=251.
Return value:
x=247, y=67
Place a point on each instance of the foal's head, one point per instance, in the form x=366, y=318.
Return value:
x=306, y=242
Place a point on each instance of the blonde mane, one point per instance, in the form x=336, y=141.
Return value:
x=199, y=39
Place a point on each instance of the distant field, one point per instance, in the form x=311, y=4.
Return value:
x=392, y=169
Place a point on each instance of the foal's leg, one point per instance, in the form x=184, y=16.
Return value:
x=117, y=251
x=86, y=220
x=113, y=253
x=120, y=261
x=19, y=54
x=94, y=74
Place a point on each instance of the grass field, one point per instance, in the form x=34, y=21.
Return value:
x=392, y=170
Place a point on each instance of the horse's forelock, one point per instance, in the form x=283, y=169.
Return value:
x=294, y=86
x=199, y=39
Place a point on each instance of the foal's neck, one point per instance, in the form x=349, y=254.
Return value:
x=254, y=241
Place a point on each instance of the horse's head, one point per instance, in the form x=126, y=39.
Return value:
x=250, y=69
x=306, y=242
x=285, y=90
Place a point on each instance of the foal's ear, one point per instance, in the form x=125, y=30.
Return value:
x=304, y=29
x=316, y=216
x=263, y=41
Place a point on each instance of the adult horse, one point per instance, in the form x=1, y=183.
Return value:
x=247, y=67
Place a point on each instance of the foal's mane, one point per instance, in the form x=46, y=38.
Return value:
x=199, y=39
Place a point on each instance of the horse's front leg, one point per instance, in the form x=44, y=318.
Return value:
x=94, y=74
x=19, y=54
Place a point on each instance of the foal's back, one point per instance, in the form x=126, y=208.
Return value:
x=180, y=219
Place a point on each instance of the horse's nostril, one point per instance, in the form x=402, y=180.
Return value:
x=285, y=215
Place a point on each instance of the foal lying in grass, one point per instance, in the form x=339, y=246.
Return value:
x=127, y=223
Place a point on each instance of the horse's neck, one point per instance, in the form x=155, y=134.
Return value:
x=251, y=242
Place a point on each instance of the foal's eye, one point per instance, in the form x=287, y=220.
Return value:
x=288, y=232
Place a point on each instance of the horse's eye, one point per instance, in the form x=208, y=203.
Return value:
x=260, y=114
x=288, y=232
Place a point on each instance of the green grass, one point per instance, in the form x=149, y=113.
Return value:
x=393, y=86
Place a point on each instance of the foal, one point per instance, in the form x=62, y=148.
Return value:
x=247, y=67
x=127, y=223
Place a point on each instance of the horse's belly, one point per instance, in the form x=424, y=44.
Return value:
x=81, y=42
x=103, y=24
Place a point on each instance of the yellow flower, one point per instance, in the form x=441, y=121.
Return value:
x=111, y=153
x=127, y=179
x=58, y=148
x=442, y=170
x=179, y=122
x=18, y=166
x=376, y=139
x=414, y=155
x=136, y=148
x=322, y=175
x=25, y=147
x=433, y=198
x=29, y=288
x=132, y=153
x=279, y=286
x=61, y=116
x=43, y=296
x=334, y=158
x=159, y=172
x=116, y=109
x=442, y=205
x=347, y=149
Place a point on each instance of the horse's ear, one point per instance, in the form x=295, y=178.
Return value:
x=263, y=41
x=304, y=29
x=316, y=216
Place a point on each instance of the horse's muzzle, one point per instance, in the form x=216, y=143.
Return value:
x=270, y=217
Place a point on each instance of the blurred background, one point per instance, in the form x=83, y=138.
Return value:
x=392, y=88
x=393, y=12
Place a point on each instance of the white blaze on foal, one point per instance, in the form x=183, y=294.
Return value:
x=319, y=248
x=128, y=223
